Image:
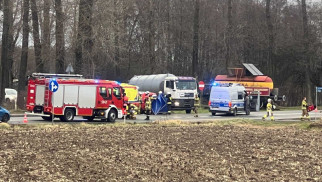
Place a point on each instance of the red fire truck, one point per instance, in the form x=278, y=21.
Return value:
x=75, y=97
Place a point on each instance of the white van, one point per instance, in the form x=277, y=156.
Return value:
x=229, y=99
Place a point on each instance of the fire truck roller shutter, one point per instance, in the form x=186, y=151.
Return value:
x=40, y=94
x=87, y=96
x=71, y=94
x=59, y=96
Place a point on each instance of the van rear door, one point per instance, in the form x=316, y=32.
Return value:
x=219, y=99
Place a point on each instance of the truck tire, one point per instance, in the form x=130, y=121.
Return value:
x=46, y=118
x=213, y=113
x=235, y=112
x=188, y=111
x=5, y=118
x=68, y=115
x=111, y=116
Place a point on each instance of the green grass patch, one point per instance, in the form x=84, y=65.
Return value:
x=200, y=110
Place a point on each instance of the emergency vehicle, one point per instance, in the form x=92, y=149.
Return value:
x=75, y=96
x=229, y=98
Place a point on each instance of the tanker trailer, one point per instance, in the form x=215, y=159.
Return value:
x=183, y=90
x=254, y=81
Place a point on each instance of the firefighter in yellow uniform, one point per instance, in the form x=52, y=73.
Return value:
x=132, y=111
x=169, y=102
x=269, y=107
x=196, y=105
x=304, y=109
x=147, y=105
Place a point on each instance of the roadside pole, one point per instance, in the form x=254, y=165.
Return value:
x=53, y=87
x=316, y=102
x=53, y=114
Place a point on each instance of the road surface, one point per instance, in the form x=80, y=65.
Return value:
x=279, y=116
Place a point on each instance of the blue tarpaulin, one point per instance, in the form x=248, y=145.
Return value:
x=159, y=105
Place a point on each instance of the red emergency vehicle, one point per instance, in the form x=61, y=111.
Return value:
x=75, y=97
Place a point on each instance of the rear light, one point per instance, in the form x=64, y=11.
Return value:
x=209, y=103
x=229, y=104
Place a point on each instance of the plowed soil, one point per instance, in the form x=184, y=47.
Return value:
x=161, y=153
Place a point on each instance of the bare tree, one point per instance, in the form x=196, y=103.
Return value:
x=270, y=62
x=228, y=34
x=151, y=39
x=60, y=37
x=24, y=54
x=35, y=31
x=46, y=35
x=195, y=40
x=307, y=60
x=7, y=39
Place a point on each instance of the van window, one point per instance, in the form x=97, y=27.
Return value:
x=240, y=95
x=169, y=84
x=216, y=94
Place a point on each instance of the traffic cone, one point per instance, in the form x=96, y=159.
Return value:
x=25, y=120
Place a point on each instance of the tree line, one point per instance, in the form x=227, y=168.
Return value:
x=116, y=39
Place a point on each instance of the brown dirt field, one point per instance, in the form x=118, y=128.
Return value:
x=160, y=153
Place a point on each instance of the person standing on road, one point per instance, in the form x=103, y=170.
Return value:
x=304, y=109
x=196, y=105
x=269, y=107
x=147, y=105
x=169, y=102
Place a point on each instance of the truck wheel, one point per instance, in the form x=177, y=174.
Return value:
x=235, y=112
x=111, y=116
x=46, y=118
x=213, y=113
x=188, y=111
x=68, y=115
x=89, y=118
x=5, y=118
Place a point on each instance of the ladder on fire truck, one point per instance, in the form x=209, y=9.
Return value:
x=47, y=77
x=52, y=75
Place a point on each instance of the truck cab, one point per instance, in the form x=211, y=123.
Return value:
x=229, y=99
x=183, y=91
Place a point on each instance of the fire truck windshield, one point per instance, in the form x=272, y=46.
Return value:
x=186, y=84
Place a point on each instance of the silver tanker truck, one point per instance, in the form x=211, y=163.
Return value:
x=183, y=90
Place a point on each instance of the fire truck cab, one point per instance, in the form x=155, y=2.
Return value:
x=75, y=97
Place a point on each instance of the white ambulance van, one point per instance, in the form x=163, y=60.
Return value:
x=229, y=98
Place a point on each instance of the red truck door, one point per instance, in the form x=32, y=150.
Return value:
x=117, y=98
x=105, y=97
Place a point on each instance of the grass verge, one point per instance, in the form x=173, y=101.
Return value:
x=234, y=122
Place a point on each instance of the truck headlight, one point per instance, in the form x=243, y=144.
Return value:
x=176, y=103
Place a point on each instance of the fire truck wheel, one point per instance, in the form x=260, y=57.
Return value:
x=112, y=116
x=188, y=111
x=68, y=115
x=46, y=118
x=213, y=113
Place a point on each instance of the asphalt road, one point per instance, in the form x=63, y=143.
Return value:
x=279, y=116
